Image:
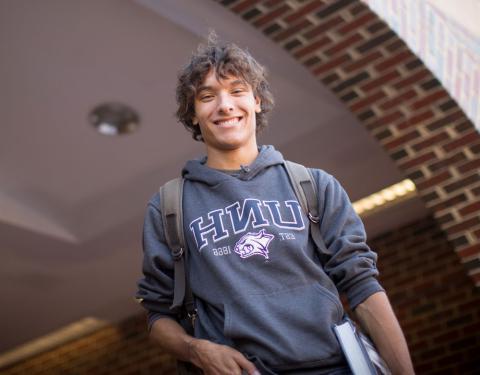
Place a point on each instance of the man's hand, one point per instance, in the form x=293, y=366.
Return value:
x=216, y=359
x=212, y=358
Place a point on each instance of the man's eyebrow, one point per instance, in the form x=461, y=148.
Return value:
x=203, y=88
x=238, y=82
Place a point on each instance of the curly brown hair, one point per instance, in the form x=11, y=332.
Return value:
x=227, y=60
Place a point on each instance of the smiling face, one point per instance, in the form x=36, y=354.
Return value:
x=225, y=112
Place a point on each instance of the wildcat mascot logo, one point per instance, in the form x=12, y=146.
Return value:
x=253, y=244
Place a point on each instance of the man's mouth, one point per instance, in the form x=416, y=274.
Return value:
x=228, y=121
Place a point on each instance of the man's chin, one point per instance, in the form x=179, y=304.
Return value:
x=229, y=144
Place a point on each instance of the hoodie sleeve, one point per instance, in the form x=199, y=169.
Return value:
x=155, y=288
x=350, y=263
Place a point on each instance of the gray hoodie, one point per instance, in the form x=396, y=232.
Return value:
x=254, y=270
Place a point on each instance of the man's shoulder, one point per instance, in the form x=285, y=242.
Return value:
x=155, y=197
x=320, y=176
x=154, y=200
x=320, y=173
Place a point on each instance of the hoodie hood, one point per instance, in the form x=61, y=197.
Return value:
x=197, y=170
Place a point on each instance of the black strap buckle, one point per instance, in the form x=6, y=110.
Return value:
x=192, y=316
x=313, y=219
x=177, y=253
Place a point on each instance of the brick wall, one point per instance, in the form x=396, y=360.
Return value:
x=444, y=45
x=123, y=349
x=436, y=303
x=365, y=64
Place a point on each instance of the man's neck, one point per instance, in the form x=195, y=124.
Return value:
x=231, y=159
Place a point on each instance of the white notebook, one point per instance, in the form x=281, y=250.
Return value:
x=354, y=351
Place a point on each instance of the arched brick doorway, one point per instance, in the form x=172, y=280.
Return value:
x=368, y=67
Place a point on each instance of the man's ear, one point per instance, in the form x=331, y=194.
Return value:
x=194, y=120
x=258, y=104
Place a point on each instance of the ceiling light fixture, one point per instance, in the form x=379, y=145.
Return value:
x=114, y=118
x=385, y=197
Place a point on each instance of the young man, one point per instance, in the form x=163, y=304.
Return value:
x=264, y=300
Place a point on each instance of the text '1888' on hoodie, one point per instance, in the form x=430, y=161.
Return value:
x=254, y=271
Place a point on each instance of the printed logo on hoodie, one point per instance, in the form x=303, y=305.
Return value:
x=253, y=244
x=218, y=224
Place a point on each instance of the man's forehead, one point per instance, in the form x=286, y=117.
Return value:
x=212, y=78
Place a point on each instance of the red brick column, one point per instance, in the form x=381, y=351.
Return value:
x=368, y=67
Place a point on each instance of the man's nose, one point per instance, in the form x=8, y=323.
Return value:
x=225, y=103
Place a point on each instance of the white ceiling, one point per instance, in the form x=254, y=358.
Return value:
x=72, y=200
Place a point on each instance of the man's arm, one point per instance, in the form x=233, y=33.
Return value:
x=377, y=318
x=210, y=357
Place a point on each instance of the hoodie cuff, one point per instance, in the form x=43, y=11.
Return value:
x=361, y=291
x=153, y=316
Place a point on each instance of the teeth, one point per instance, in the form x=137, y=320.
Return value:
x=228, y=122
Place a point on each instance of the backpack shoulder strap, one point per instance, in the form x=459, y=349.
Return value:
x=304, y=187
x=306, y=191
x=171, y=200
x=171, y=195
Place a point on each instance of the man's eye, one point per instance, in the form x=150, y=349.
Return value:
x=206, y=97
x=237, y=91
